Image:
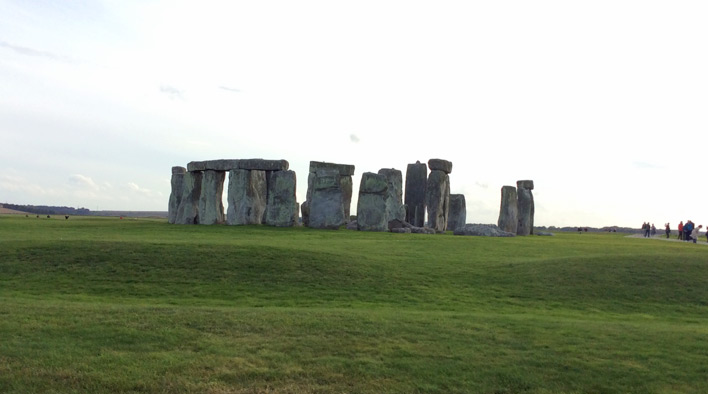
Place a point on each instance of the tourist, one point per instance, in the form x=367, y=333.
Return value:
x=680, y=230
x=695, y=232
x=668, y=230
x=647, y=229
x=687, y=230
x=653, y=230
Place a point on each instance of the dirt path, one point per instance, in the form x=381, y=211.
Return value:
x=701, y=238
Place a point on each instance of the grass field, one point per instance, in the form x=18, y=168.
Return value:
x=102, y=305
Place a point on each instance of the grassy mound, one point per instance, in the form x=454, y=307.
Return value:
x=109, y=305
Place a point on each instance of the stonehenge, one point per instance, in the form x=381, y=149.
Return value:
x=198, y=195
x=264, y=192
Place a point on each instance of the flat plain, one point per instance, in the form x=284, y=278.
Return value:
x=105, y=305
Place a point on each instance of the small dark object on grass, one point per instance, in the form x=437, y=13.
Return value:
x=66, y=217
x=48, y=217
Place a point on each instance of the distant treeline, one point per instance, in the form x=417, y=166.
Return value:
x=47, y=210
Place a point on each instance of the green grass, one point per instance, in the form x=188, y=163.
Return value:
x=105, y=305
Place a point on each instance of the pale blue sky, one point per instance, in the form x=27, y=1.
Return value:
x=602, y=104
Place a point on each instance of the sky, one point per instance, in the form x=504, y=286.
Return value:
x=603, y=104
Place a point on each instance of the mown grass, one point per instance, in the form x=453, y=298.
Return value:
x=109, y=305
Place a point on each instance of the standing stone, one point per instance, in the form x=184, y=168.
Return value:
x=211, y=206
x=188, y=211
x=437, y=200
x=394, y=200
x=326, y=210
x=458, y=212
x=371, y=208
x=344, y=174
x=416, y=182
x=509, y=210
x=176, y=182
x=347, y=186
x=246, y=197
x=282, y=206
x=526, y=207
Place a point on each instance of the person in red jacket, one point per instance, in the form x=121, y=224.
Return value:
x=680, y=228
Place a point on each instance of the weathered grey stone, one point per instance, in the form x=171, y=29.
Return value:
x=353, y=225
x=211, y=207
x=416, y=181
x=437, y=200
x=343, y=169
x=527, y=184
x=458, y=212
x=371, y=208
x=401, y=230
x=282, y=206
x=394, y=200
x=216, y=165
x=545, y=234
x=247, y=197
x=178, y=170
x=263, y=165
x=526, y=207
x=345, y=183
x=482, y=230
x=326, y=210
x=509, y=210
x=440, y=165
x=188, y=211
x=176, y=184
x=396, y=223
x=305, y=212
x=422, y=230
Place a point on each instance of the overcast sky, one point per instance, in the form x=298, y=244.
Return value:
x=604, y=104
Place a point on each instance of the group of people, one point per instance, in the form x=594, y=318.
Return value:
x=686, y=232
x=649, y=229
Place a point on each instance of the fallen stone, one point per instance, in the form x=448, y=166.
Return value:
x=396, y=223
x=482, y=230
x=352, y=225
x=247, y=197
x=440, y=165
x=545, y=234
x=422, y=230
x=509, y=210
x=416, y=182
x=457, y=216
x=401, y=230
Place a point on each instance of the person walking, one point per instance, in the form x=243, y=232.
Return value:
x=645, y=229
x=680, y=230
x=653, y=230
x=668, y=230
x=695, y=232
